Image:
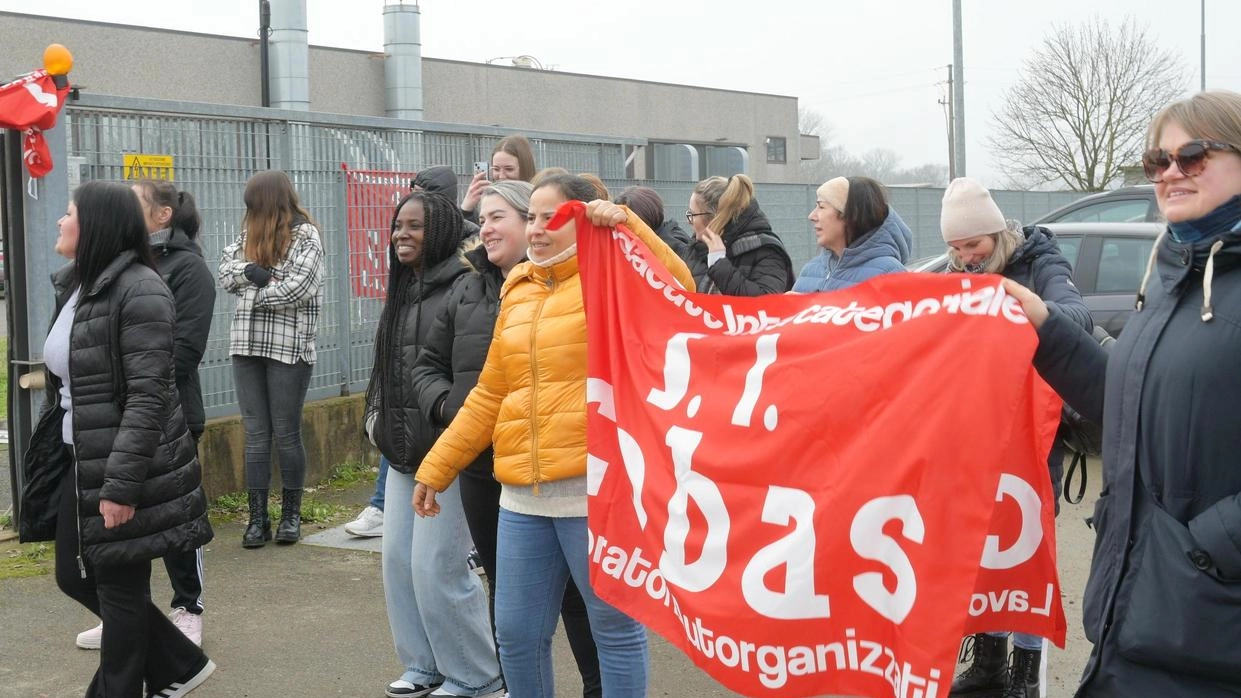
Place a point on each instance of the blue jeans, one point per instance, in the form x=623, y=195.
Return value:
x=535, y=557
x=271, y=395
x=1023, y=641
x=437, y=607
x=377, y=499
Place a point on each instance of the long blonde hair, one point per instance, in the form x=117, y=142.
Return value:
x=1007, y=242
x=272, y=210
x=726, y=198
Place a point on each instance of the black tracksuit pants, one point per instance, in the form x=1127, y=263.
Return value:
x=140, y=645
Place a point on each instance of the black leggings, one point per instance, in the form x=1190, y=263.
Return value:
x=139, y=643
x=480, y=496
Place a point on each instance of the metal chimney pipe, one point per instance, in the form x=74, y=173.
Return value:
x=290, y=56
x=402, y=61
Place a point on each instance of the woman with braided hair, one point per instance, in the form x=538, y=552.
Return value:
x=437, y=608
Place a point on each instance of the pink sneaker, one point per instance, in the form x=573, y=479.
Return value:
x=190, y=624
x=90, y=639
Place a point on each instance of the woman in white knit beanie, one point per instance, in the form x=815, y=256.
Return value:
x=980, y=240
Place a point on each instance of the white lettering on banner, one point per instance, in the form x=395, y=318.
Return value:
x=676, y=375
x=991, y=301
x=782, y=506
x=774, y=664
x=672, y=294
x=1031, y=535
x=794, y=552
x=600, y=392
x=870, y=542
x=36, y=92
x=1014, y=600
x=706, y=570
x=765, y=348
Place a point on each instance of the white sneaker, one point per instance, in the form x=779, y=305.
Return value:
x=90, y=639
x=180, y=688
x=441, y=691
x=190, y=624
x=369, y=524
x=475, y=561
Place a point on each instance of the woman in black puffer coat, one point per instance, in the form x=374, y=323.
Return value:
x=111, y=472
x=736, y=252
x=437, y=609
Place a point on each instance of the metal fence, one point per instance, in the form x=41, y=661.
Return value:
x=216, y=149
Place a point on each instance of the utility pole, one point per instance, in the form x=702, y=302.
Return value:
x=958, y=91
x=1203, y=69
x=946, y=102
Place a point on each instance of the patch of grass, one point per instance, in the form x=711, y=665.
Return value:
x=313, y=511
x=350, y=473
x=235, y=507
x=228, y=507
x=6, y=520
x=26, y=560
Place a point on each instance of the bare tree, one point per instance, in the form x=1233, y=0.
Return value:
x=1079, y=111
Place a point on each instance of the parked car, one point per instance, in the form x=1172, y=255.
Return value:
x=1108, y=261
x=1124, y=205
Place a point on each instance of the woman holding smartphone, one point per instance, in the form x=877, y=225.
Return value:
x=512, y=158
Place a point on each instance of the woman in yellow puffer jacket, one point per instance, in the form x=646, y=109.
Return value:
x=530, y=403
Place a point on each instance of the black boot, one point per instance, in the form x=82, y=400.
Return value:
x=259, y=531
x=989, y=669
x=1023, y=677
x=290, y=528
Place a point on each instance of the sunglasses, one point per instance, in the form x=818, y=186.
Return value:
x=1190, y=159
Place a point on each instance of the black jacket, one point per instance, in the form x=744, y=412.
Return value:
x=403, y=430
x=1163, y=602
x=130, y=439
x=181, y=264
x=1039, y=266
x=755, y=262
x=675, y=237
x=441, y=179
x=457, y=344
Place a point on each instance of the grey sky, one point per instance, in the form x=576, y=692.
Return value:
x=871, y=68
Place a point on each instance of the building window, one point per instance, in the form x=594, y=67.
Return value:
x=777, y=150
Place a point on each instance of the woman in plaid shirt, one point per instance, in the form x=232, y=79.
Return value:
x=275, y=268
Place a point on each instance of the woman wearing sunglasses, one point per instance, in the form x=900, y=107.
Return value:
x=1163, y=602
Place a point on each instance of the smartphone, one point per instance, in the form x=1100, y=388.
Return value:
x=484, y=167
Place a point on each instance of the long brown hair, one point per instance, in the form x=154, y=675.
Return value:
x=272, y=210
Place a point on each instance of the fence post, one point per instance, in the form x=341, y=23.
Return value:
x=344, y=300
x=31, y=210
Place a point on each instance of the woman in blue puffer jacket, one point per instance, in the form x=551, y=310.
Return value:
x=860, y=234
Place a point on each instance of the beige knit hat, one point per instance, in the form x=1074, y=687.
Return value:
x=969, y=211
x=835, y=192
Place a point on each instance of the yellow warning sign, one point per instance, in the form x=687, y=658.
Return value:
x=146, y=166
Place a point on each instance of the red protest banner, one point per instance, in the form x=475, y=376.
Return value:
x=820, y=493
x=31, y=104
x=370, y=197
